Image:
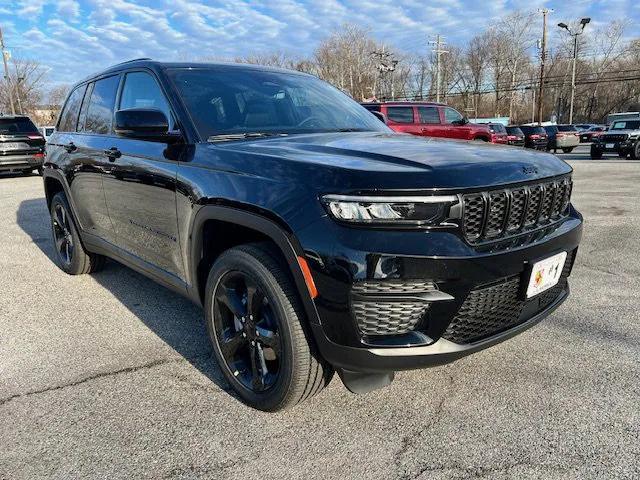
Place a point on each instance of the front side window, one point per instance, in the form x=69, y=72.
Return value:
x=400, y=114
x=142, y=91
x=226, y=100
x=69, y=115
x=452, y=115
x=100, y=110
x=429, y=115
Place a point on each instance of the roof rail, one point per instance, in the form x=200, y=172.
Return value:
x=130, y=61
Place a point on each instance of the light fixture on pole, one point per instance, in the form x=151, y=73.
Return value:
x=583, y=23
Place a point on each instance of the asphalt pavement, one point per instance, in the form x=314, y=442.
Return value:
x=111, y=376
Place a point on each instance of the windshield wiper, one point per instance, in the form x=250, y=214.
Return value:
x=228, y=137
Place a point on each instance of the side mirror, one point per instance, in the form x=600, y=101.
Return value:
x=142, y=123
x=381, y=116
x=461, y=122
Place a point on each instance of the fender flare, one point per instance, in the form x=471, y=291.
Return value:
x=59, y=177
x=280, y=234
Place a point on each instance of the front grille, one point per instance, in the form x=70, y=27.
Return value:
x=378, y=315
x=614, y=137
x=494, y=308
x=491, y=215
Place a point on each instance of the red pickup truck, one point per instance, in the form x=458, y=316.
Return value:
x=430, y=120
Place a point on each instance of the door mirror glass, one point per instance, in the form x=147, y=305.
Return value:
x=147, y=123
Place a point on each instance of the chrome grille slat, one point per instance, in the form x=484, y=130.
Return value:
x=500, y=213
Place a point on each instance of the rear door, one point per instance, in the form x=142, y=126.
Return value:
x=401, y=118
x=429, y=121
x=140, y=187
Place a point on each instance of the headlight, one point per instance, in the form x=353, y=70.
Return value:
x=428, y=210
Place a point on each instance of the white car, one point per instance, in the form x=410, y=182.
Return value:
x=47, y=131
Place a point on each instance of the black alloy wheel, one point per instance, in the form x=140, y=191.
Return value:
x=247, y=331
x=62, y=234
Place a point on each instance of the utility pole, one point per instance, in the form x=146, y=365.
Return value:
x=543, y=57
x=439, y=44
x=583, y=23
x=5, y=54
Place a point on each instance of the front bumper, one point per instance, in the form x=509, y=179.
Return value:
x=456, y=268
x=613, y=147
x=20, y=162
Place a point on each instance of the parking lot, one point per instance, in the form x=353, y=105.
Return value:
x=111, y=375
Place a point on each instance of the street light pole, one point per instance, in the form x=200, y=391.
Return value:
x=583, y=23
x=4, y=54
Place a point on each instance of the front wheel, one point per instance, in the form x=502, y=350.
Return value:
x=595, y=154
x=635, y=152
x=258, y=332
x=70, y=253
x=567, y=149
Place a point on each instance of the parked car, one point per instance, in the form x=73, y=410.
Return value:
x=564, y=137
x=315, y=237
x=515, y=136
x=498, y=133
x=429, y=120
x=623, y=138
x=47, y=131
x=21, y=145
x=588, y=135
x=581, y=127
x=534, y=137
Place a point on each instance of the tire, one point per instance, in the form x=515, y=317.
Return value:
x=39, y=170
x=567, y=149
x=71, y=255
x=299, y=370
x=635, y=152
x=480, y=139
x=27, y=171
x=595, y=154
x=622, y=154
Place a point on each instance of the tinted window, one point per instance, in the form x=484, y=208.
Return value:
x=238, y=99
x=142, y=91
x=372, y=108
x=17, y=125
x=428, y=114
x=451, y=115
x=514, y=131
x=566, y=128
x=497, y=128
x=100, y=111
x=551, y=129
x=400, y=114
x=69, y=116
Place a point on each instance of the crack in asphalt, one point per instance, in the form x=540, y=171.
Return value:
x=408, y=441
x=135, y=368
x=482, y=472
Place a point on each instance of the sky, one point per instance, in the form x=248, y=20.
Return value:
x=73, y=38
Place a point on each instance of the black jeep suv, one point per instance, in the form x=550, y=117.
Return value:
x=21, y=145
x=316, y=239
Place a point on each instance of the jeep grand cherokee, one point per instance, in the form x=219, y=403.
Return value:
x=21, y=145
x=315, y=238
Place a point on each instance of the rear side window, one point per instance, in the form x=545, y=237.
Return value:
x=566, y=128
x=100, y=111
x=372, y=108
x=451, y=115
x=514, y=131
x=400, y=114
x=142, y=91
x=429, y=115
x=69, y=116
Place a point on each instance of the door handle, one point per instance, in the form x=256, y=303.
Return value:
x=113, y=153
x=70, y=147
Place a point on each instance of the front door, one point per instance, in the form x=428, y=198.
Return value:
x=140, y=187
x=451, y=118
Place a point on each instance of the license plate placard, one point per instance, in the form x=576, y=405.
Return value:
x=14, y=146
x=545, y=274
x=610, y=145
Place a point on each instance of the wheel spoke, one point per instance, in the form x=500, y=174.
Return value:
x=59, y=218
x=269, y=338
x=67, y=251
x=230, y=343
x=257, y=381
x=59, y=243
x=230, y=298
x=254, y=299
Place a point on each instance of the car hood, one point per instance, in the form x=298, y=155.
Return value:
x=389, y=160
x=625, y=131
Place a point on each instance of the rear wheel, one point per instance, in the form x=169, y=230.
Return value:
x=635, y=153
x=70, y=253
x=567, y=149
x=258, y=332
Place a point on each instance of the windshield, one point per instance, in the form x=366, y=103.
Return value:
x=626, y=125
x=225, y=100
x=17, y=125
